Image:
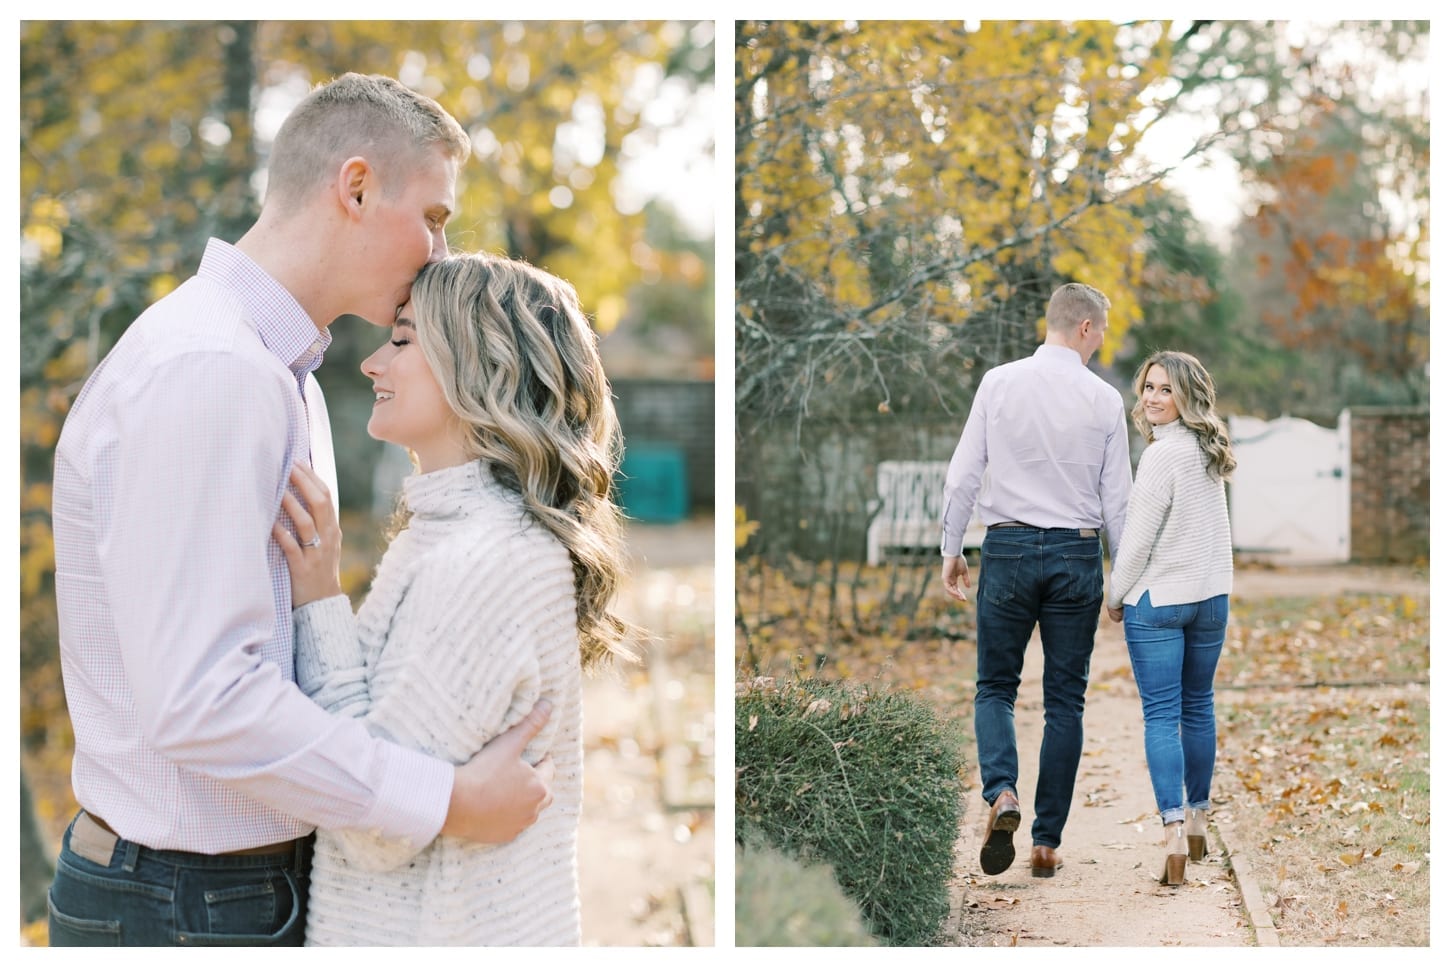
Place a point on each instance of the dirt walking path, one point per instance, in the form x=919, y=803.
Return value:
x=647, y=834
x=1107, y=893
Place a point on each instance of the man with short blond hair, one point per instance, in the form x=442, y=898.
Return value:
x=398, y=126
x=1054, y=436
x=1074, y=302
x=200, y=768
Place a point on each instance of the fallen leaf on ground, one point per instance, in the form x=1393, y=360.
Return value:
x=993, y=903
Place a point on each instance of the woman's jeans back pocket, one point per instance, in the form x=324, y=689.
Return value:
x=1213, y=613
x=1168, y=616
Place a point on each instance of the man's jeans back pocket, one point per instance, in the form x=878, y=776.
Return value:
x=68, y=931
x=999, y=575
x=1084, y=576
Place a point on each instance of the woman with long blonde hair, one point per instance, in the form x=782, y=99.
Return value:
x=1170, y=584
x=495, y=593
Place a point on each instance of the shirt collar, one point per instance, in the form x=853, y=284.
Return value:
x=1058, y=354
x=284, y=326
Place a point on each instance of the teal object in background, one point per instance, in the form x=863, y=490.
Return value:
x=652, y=483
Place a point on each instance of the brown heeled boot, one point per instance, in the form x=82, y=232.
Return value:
x=1195, y=828
x=1175, y=855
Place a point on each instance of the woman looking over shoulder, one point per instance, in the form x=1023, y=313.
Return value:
x=494, y=594
x=1170, y=585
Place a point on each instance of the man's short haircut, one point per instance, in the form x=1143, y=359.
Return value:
x=365, y=115
x=1074, y=302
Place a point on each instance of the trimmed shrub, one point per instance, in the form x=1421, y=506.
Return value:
x=864, y=780
x=780, y=903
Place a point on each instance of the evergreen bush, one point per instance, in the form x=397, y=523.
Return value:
x=862, y=779
x=781, y=903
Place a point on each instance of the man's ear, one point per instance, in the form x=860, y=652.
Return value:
x=356, y=181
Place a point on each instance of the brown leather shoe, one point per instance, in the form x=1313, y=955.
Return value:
x=997, y=849
x=1045, y=861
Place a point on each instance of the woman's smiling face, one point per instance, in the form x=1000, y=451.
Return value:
x=409, y=408
x=1157, y=396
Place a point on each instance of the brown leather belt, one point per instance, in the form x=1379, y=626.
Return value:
x=1081, y=532
x=271, y=849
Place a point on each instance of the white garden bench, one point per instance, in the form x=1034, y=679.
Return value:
x=908, y=511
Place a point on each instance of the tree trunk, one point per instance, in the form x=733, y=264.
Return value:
x=238, y=208
x=36, y=867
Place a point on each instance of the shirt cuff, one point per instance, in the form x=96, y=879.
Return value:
x=412, y=798
x=326, y=640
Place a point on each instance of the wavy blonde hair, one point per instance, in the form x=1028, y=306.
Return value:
x=517, y=362
x=1195, y=396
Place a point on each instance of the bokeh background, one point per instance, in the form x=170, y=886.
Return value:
x=593, y=158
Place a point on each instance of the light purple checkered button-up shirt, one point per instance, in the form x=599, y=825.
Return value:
x=175, y=602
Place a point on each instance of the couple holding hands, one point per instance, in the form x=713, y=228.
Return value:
x=1054, y=436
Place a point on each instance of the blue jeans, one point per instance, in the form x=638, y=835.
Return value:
x=1053, y=580
x=167, y=898
x=1175, y=649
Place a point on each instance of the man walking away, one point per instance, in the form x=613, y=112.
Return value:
x=1056, y=440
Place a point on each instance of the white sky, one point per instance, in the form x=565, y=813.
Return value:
x=1211, y=182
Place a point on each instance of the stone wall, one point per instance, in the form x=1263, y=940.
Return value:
x=1389, y=516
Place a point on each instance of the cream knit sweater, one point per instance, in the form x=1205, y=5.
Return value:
x=470, y=619
x=1176, y=542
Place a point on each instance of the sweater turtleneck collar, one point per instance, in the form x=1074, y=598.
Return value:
x=445, y=493
x=1165, y=430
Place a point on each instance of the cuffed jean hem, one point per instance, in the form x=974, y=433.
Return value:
x=1174, y=650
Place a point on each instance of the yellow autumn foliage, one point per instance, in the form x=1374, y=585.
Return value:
x=139, y=139
x=967, y=152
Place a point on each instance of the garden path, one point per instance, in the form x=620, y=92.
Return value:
x=647, y=834
x=1107, y=893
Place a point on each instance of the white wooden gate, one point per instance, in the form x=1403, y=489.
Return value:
x=1289, y=497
